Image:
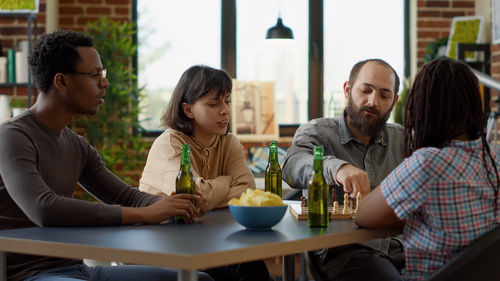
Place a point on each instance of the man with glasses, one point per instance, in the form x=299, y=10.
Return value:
x=41, y=162
x=99, y=74
x=361, y=149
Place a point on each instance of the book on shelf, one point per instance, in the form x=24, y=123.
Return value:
x=3, y=69
x=11, y=66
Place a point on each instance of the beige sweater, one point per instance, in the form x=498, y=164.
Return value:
x=220, y=169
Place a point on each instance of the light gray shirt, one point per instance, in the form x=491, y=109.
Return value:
x=378, y=159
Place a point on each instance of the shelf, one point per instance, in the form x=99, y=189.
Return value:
x=32, y=34
x=17, y=14
x=6, y=85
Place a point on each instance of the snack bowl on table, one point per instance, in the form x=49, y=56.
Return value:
x=258, y=217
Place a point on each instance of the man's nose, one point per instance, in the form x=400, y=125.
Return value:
x=372, y=99
x=104, y=83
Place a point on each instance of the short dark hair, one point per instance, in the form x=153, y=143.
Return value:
x=357, y=67
x=194, y=83
x=55, y=53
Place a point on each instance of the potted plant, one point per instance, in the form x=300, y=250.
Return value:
x=113, y=130
x=17, y=105
x=435, y=49
x=399, y=108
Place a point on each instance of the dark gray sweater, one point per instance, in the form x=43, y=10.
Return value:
x=39, y=170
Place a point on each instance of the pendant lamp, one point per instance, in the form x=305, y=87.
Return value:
x=279, y=31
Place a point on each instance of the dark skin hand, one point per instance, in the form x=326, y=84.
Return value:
x=163, y=209
x=374, y=212
x=202, y=206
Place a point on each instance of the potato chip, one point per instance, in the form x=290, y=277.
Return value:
x=234, y=201
x=257, y=197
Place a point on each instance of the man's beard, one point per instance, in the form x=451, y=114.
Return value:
x=364, y=123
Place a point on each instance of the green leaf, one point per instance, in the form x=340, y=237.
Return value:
x=110, y=130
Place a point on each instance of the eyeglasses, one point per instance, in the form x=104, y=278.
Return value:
x=99, y=75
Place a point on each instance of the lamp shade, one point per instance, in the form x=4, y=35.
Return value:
x=279, y=31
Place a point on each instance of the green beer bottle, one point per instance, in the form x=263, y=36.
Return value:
x=273, y=171
x=185, y=180
x=317, y=202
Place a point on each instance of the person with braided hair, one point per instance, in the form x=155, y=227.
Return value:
x=445, y=192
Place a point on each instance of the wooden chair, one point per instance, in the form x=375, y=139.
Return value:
x=478, y=261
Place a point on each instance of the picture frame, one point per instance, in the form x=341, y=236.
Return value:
x=253, y=112
x=19, y=6
x=467, y=29
x=495, y=15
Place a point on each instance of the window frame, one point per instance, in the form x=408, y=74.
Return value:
x=315, y=65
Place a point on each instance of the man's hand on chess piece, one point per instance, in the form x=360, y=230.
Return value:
x=353, y=180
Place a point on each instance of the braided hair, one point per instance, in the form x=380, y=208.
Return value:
x=443, y=104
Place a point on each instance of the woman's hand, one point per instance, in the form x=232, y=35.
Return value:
x=202, y=205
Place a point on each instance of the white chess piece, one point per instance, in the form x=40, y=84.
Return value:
x=358, y=199
x=345, y=210
x=335, y=207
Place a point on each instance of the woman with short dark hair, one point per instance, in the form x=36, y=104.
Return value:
x=198, y=114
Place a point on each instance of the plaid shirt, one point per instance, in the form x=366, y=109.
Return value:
x=447, y=201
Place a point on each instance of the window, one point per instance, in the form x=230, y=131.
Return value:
x=352, y=34
x=173, y=35
x=284, y=62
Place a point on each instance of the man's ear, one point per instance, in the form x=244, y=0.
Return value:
x=187, y=110
x=396, y=99
x=347, y=89
x=60, y=82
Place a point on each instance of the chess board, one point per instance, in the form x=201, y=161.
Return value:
x=300, y=212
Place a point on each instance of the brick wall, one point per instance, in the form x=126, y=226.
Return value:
x=73, y=14
x=495, y=59
x=434, y=21
x=495, y=70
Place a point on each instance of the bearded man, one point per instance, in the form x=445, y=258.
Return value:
x=360, y=150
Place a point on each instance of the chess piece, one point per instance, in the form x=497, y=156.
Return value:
x=334, y=195
x=335, y=207
x=345, y=211
x=303, y=203
x=358, y=199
